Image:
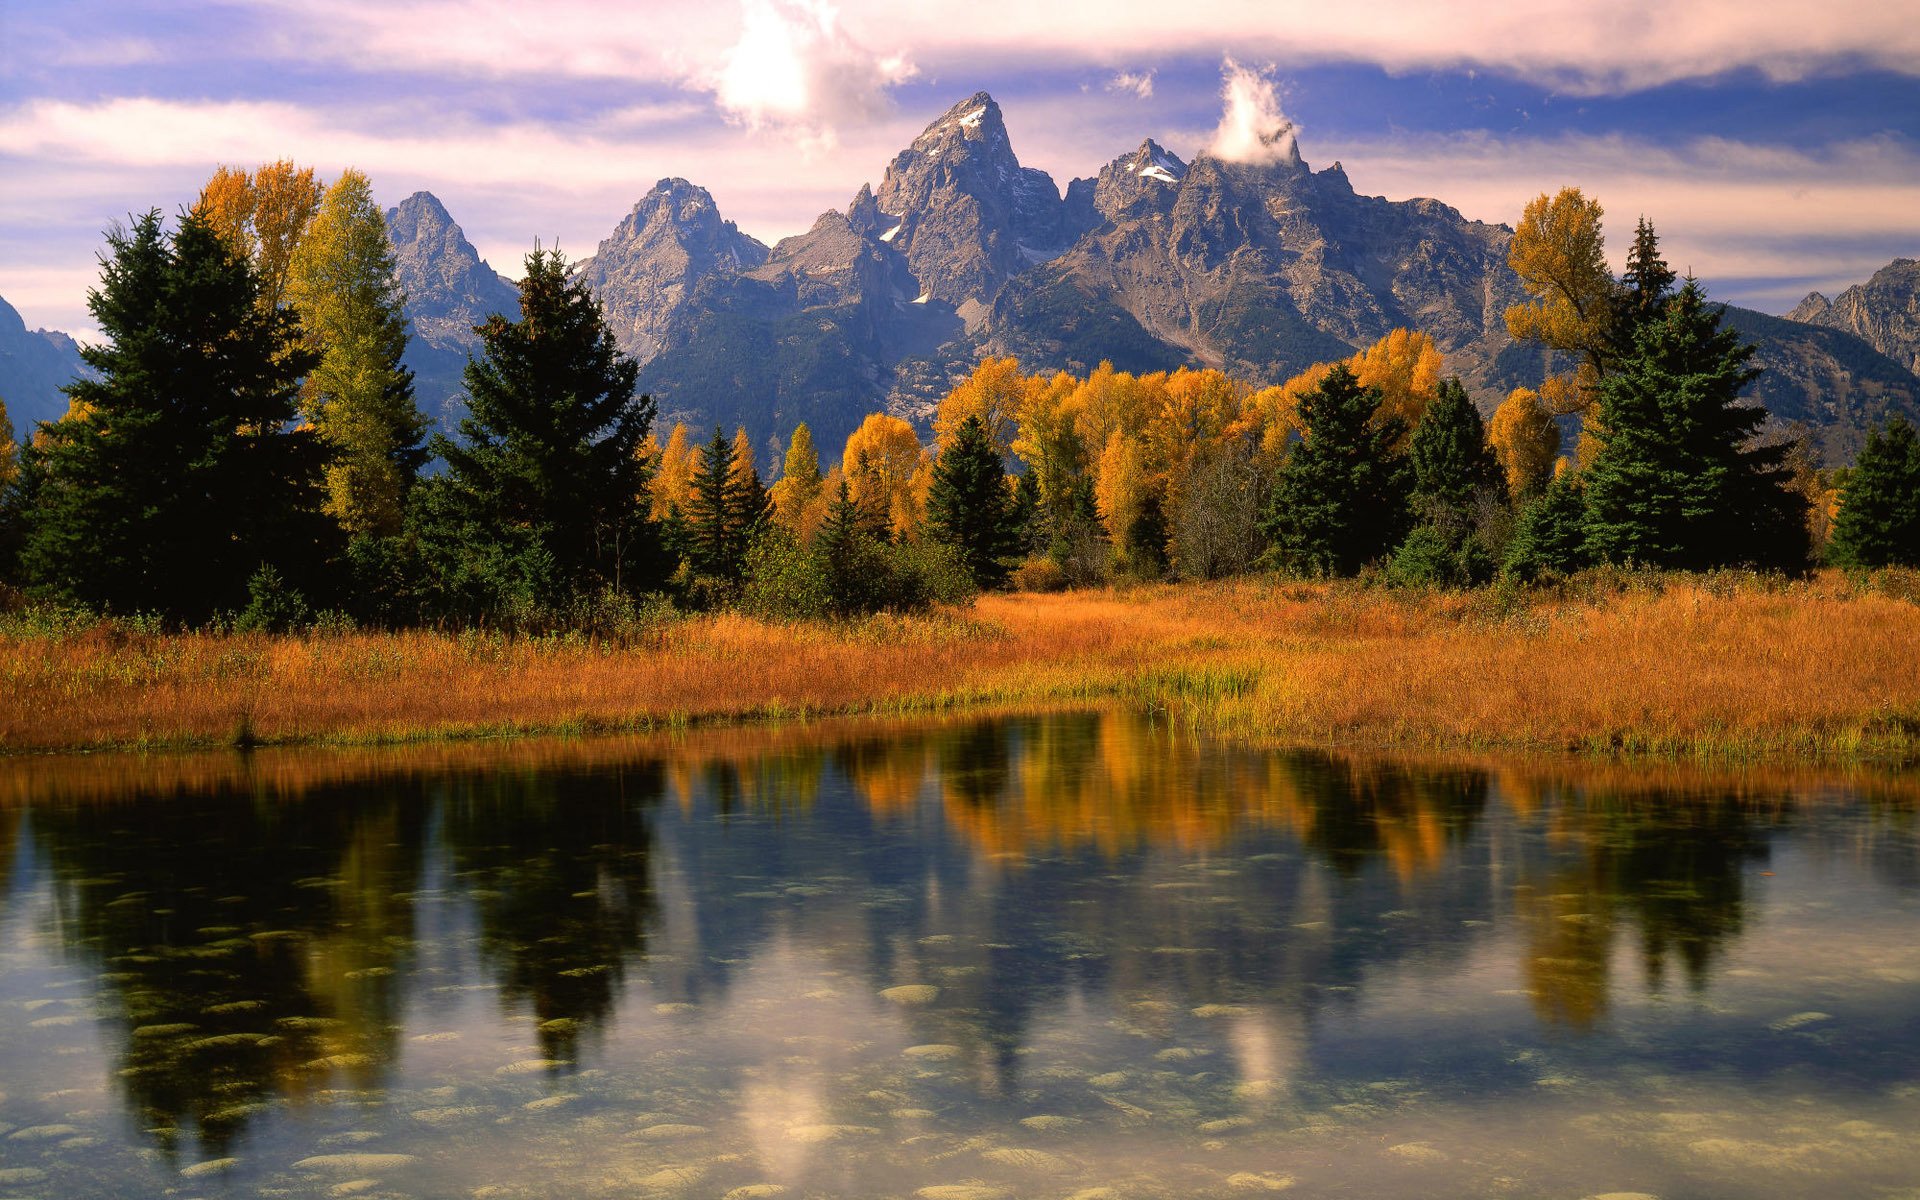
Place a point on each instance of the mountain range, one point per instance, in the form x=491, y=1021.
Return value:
x=1260, y=269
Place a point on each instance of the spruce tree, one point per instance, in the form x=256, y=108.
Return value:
x=1341, y=499
x=549, y=445
x=1879, y=520
x=752, y=503
x=1645, y=287
x=1449, y=453
x=968, y=506
x=178, y=473
x=1678, y=481
x=1550, y=536
x=717, y=535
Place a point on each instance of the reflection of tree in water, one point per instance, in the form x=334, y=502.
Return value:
x=1671, y=865
x=250, y=944
x=1354, y=814
x=557, y=864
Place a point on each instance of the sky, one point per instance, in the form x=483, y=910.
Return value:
x=1775, y=144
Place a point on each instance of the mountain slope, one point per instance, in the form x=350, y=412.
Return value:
x=449, y=290
x=34, y=363
x=1884, y=311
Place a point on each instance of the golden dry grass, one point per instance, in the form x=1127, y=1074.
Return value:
x=1684, y=666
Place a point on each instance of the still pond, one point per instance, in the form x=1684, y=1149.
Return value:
x=1062, y=955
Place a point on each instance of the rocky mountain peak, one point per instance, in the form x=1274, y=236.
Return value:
x=963, y=210
x=449, y=287
x=674, y=238
x=1138, y=183
x=1884, y=311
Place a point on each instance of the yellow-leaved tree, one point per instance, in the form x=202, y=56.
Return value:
x=1559, y=253
x=263, y=216
x=1405, y=366
x=888, y=474
x=1525, y=440
x=673, y=476
x=994, y=392
x=797, y=494
x=359, y=398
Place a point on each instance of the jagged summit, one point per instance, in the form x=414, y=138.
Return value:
x=449, y=290
x=1884, y=311
x=672, y=239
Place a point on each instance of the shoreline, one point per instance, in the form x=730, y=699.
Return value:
x=1661, y=668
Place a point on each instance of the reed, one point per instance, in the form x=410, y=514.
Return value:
x=1694, y=667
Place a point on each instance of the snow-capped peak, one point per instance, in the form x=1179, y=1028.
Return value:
x=972, y=119
x=1155, y=163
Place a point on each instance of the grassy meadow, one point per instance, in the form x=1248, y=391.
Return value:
x=1700, y=667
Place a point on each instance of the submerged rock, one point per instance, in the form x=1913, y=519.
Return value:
x=355, y=1164
x=911, y=994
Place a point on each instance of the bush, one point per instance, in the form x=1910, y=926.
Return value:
x=273, y=605
x=786, y=581
x=1039, y=574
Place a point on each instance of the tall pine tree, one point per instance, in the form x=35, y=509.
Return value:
x=1879, y=520
x=179, y=471
x=720, y=515
x=1341, y=500
x=548, y=448
x=969, y=507
x=1679, y=481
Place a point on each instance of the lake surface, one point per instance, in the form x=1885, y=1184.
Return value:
x=1024, y=957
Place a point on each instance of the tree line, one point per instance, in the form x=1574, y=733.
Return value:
x=250, y=450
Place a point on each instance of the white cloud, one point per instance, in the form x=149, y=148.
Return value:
x=1252, y=127
x=1140, y=83
x=1573, y=45
x=797, y=70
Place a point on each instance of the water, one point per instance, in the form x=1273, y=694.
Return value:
x=1032, y=957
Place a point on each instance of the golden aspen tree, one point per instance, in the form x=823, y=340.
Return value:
x=1559, y=253
x=360, y=396
x=1121, y=490
x=1525, y=440
x=994, y=393
x=263, y=216
x=1404, y=367
x=887, y=472
x=800, y=484
x=673, y=476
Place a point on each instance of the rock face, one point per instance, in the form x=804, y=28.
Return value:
x=34, y=363
x=449, y=290
x=964, y=212
x=649, y=267
x=1884, y=311
x=1260, y=270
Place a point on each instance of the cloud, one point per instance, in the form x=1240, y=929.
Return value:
x=796, y=69
x=1252, y=127
x=1571, y=45
x=1140, y=83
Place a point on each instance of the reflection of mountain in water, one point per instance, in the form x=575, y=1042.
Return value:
x=260, y=941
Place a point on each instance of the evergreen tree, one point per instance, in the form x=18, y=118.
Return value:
x=752, y=504
x=178, y=473
x=1551, y=535
x=1879, y=520
x=969, y=508
x=717, y=535
x=1026, y=518
x=1449, y=453
x=1340, y=501
x=550, y=442
x=1678, y=481
x=360, y=395
x=848, y=554
x=1644, y=289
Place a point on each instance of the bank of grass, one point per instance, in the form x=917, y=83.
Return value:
x=1700, y=667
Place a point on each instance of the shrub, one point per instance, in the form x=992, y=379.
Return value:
x=273, y=605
